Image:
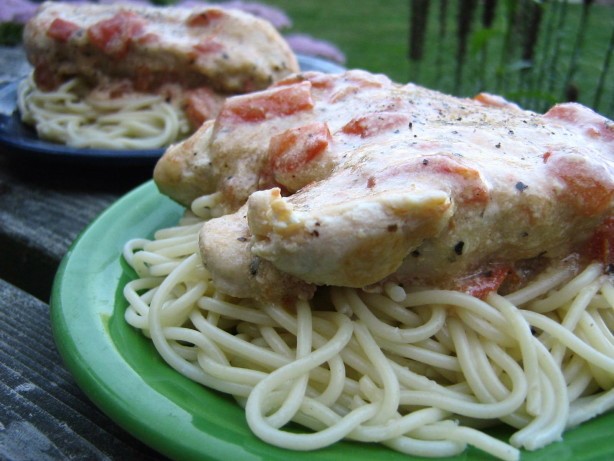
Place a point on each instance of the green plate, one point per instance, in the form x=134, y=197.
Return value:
x=121, y=372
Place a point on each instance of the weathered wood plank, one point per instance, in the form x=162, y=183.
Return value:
x=43, y=208
x=43, y=413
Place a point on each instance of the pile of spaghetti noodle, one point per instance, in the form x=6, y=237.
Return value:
x=77, y=117
x=422, y=372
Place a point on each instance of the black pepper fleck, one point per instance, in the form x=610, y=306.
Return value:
x=415, y=253
x=458, y=248
x=392, y=228
x=253, y=265
x=498, y=145
x=520, y=186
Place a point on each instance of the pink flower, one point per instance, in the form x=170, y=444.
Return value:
x=274, y=15
x=17, y=10
x=305, y=44
x=128, y=2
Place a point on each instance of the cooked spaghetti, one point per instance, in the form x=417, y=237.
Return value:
x=421, y=371
x=77, y=117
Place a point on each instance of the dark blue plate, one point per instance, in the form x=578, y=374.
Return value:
x=21, y=139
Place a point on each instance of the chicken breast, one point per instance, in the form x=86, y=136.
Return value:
x=226, y=51
x=353, y=180
x=282, y=136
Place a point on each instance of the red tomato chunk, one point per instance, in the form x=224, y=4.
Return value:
x=113, y=36
x=62, y=30
x=275, y=102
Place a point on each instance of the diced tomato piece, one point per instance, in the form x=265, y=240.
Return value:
x=471, y=187
x=588, y=188
x=45, y=78
x=119, y=88
x=375, y=123
x=566, y=112
x=467, y=182
x=321, y=80
x=293, y=149
x=113, y=36
x=148, y=39
x=356, y=82
x=61, y=30
x=317, y=79
x=481, y=284
x=205, y=18
x=601, y=246
x=593, y=124
x=202, y=104
x=494, y=101
x=365, y=80
x=274, y=102
x=207, y=46
x=290, y=80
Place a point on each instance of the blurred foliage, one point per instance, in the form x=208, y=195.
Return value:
x=10, y=33
x=535, y=53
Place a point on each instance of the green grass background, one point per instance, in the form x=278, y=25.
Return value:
x=371, y=33
x=374, y=36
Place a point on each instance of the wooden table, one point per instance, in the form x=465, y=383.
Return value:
x=43, y=208
x=45, y=203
